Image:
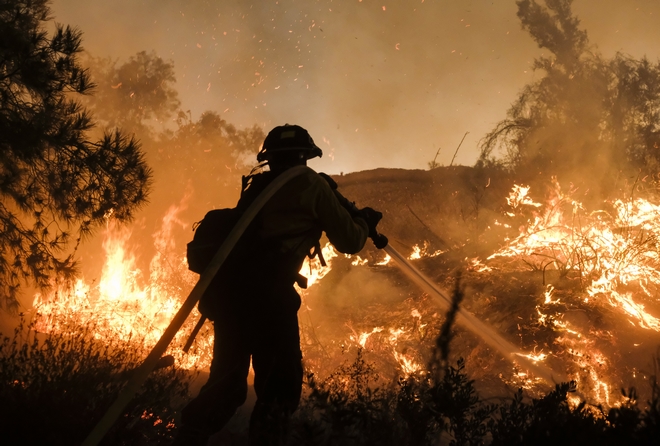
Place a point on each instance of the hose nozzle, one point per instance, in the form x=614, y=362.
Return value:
x=380, y=241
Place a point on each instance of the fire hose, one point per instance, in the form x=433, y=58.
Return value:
x=470, y=321
x=380, y=241
x=467, y=319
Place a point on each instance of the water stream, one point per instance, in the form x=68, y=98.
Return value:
x=470, y=321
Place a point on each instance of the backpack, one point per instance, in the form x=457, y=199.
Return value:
x=210, y=234
x=214, y=228
x=251, y=252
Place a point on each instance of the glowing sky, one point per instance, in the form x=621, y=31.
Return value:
x=378, y=83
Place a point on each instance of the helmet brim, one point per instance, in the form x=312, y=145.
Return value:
x=309, y=152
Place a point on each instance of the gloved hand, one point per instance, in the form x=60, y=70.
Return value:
x=372, y=217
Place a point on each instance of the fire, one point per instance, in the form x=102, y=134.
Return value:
x=613, y=253
x=536, y=357
x=406, y=360
x=408, y=364
x=610, y=251
x=358, y=261
x=385, y=261
x=419, y=252
x=125, y=304
x=588, y=358
x=548, y=295
x=519, y=196
x=416, y=254
x=475, y=264
x=362, y=338
x=314, y=270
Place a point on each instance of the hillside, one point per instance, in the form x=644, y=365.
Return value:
x=577, y=286
x=448, y=206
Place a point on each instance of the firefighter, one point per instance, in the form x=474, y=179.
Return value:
x=254, y=306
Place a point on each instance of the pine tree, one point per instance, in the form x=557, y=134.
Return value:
x=55, y=184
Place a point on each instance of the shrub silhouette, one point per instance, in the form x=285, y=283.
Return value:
x=63, y=382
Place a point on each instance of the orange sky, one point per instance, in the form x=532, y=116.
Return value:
x=378, y=83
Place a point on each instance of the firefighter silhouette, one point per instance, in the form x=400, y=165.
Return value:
x=253, y=302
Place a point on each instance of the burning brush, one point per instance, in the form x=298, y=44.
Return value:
x=598, y=266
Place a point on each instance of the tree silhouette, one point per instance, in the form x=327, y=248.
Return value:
x=210, y=155
x=586, y=114
x=135, y=95
x=55, y=184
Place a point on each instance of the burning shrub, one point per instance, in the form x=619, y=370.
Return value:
x=544, y=420
x=440, y=405
x=552, y=420
x=64, y=381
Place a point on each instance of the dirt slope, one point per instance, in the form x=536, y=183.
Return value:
x=447, y=206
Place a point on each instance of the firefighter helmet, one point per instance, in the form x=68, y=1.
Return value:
x=286, y=140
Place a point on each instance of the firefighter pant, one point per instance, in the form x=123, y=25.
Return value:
x=266, y=332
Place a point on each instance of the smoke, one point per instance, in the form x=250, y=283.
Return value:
x=360, y=286
x=383, y=86
x=384, y=83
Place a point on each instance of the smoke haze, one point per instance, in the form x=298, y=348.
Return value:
x=378, y=84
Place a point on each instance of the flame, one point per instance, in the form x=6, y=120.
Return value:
x=407, y=363
x=416, y=254
x=419, y=252
x=358, y=261
x=407, y=359
x=476, y=265
x=314, y=270
x=535, y=357
x=362, y=338
x=126, y=305
x=385, y=261
x=611, y=251
x=519, y=196
x=548, y=295
x=588, y=358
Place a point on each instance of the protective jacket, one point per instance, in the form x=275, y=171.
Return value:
x=300, y=210
x=284, y=232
